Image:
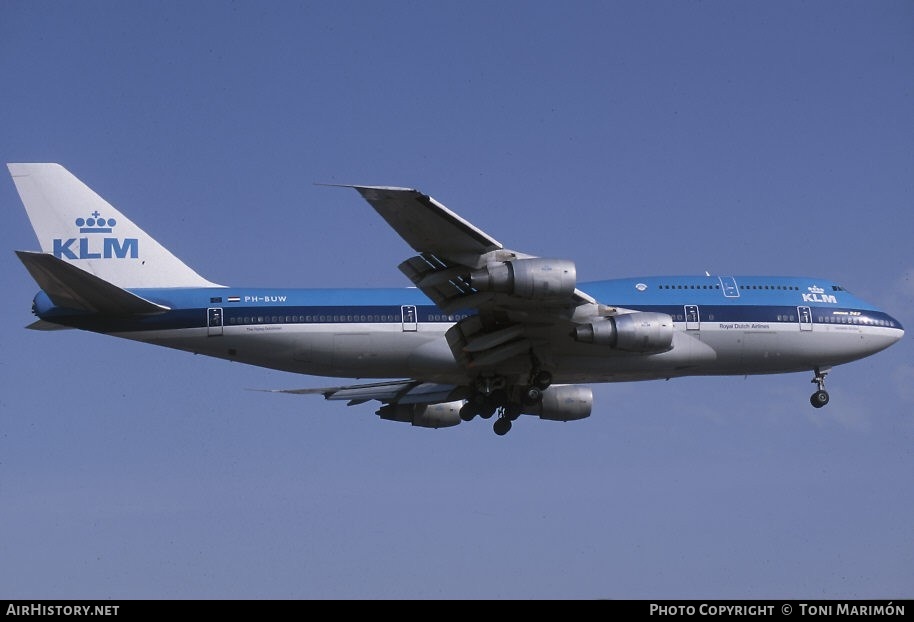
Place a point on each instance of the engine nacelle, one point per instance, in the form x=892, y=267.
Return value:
x=423, y=415
x=633, y=332
x=529, y=278
x=565, y=402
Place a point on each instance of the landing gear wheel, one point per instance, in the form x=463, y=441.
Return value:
x=819, y=399
x=502, y=426
x=531, y=395
x=476, y=404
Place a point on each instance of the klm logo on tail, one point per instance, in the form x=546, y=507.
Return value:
x=95, y=247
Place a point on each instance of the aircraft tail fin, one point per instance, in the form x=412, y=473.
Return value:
x=71, y=288
x=78, y=227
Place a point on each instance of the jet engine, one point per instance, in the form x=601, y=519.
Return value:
x=565, y=402
x=423, y=415
x=529, y=278
x=633, y=332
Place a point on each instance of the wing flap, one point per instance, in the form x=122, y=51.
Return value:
x=448, y=285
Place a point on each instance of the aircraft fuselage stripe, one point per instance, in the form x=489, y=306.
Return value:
x=729, y=316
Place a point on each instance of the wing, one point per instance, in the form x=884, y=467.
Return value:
x=389, y=392
x=461, y=266
x=428, y=226
x=433, y=405
x=422, y=404
x=523, y=304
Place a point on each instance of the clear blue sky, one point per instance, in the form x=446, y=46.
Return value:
x=636, y=138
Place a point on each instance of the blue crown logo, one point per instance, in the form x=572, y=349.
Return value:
x=95, y=224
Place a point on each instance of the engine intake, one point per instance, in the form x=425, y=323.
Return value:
x=529, y=278
x=633, y=332
x=423, y=415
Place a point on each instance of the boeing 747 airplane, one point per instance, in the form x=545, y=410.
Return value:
x=486, y=331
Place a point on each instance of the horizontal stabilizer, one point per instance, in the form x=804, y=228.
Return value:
x=45, y=325
x=72, y=288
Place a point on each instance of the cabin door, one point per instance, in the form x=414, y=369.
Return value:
x=410, y=318
x=804, y=315
x=693, y=322
x=214, y=321
x=728, y=286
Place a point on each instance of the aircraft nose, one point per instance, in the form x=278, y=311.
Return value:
x=887, y=332
x=896, y=330
x=899, y=329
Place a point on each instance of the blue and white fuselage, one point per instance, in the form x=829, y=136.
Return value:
x=723, y=325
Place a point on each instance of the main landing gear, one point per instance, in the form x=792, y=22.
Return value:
x=485, y=405
x=494, y=396
x=820, y=397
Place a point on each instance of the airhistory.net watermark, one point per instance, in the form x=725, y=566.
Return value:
x=39, y=609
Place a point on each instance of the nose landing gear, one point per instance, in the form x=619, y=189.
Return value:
x=820, y=397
